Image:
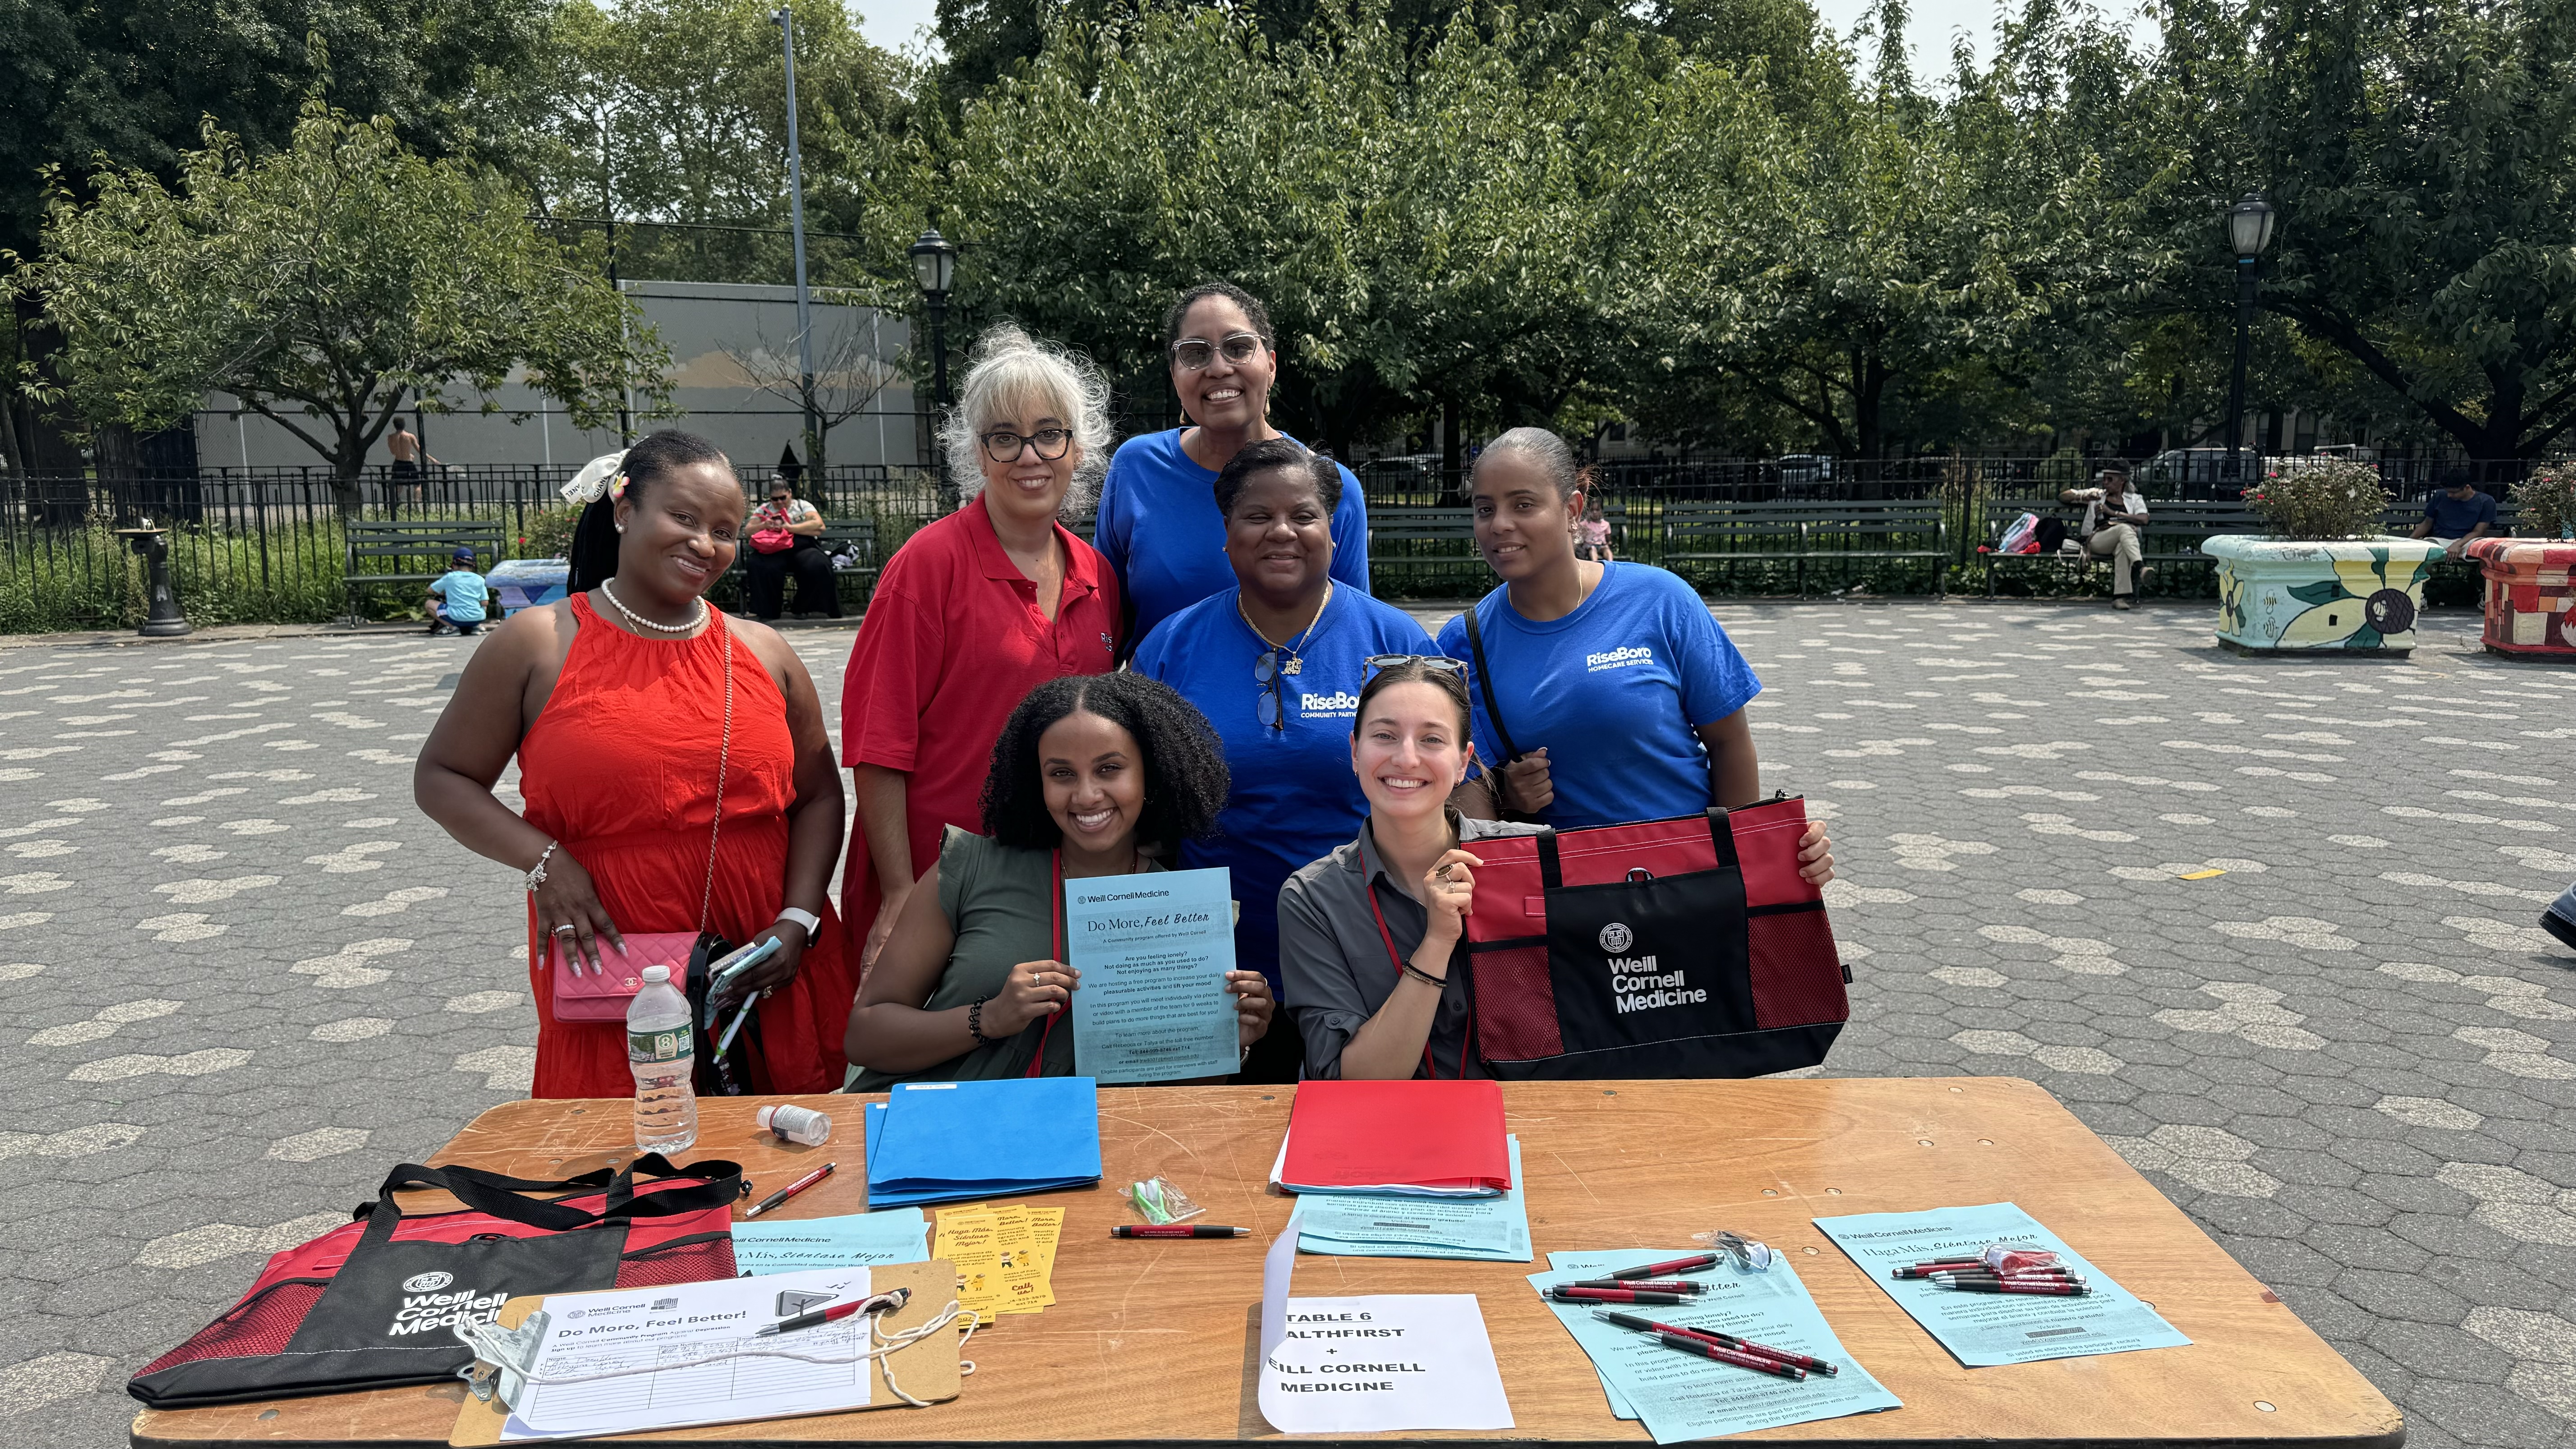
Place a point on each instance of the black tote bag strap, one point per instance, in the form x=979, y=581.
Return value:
x=720, y=1183
x=1721, y=833
x=1485, y=686
x=489, y=1193
x=1551, y=875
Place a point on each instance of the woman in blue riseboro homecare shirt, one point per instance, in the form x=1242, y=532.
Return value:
x=1276, y=663
x=1156, y=526
x=1617, y=664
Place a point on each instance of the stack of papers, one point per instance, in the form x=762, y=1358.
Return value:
x=1428, y=1138
x=935, y=1142
x=1005, y=1257
x=1679, y=1396
x=1409, y=1225
x=1985, y=1329
x=858, y=1240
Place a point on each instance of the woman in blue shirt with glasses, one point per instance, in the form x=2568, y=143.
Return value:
x=1276, y=663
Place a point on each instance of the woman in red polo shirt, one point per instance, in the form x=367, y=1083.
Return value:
x=971, y=614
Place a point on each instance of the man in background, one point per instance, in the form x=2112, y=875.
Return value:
x=2456, y=514
x=2115, y=520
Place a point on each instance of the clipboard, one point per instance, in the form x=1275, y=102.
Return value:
x=927, y=1369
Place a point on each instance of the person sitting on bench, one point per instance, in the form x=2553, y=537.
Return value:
x=2115, y=521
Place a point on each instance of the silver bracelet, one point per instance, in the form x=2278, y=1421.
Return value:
x=537, y=872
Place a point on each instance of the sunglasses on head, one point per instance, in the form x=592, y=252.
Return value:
x=1193, y=354
x=1437, y=663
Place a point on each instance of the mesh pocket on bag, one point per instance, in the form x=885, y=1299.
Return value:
x=1797, y=976
x=1515, y=1005
x=251, y=1330
x=701, y=1260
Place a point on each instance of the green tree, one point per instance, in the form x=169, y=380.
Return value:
x=2423, y=157
x=323, y=286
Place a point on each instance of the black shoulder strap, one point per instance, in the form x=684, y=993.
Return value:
x=1485, y=686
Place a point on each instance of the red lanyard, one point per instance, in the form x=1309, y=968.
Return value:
x=1397, y=961
x=1055, y=943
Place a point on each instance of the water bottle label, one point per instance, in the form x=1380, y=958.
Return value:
x=674, y=1045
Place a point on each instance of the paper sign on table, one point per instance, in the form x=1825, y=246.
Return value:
x=1361, y=1365
x=968, y=1237
x=769, y=1245
x=1409, y=1225
x=1679, y=1396
x=1985, y=1329
x=1153, y=951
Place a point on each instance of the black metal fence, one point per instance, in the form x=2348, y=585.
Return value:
x=268, y=544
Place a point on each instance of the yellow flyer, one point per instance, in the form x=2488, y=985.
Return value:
x=967, y=1239
x=1023, y=1279
x=1047, y=1225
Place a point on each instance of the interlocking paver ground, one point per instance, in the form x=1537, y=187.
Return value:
x=245, y=975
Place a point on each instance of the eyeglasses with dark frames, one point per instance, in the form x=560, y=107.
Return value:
x=1271, y=672
x=1193, y=354
x=1437, y=663
x=1004, y=446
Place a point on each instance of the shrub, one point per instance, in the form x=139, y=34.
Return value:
x=2332, y=500
x=2548, y=501
x=548, y=533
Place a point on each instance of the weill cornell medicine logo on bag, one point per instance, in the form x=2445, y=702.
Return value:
x=1636, y=983
x=1623, y=658
x=425, y=1309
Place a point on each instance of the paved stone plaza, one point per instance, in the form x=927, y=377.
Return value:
x=246, y=976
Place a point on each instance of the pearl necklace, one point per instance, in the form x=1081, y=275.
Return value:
x=640, y=622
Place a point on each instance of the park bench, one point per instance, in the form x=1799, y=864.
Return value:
x=401, y=549
x=836, y=536
x=1401, y=537
x=1726, y=533
x=2175, y=529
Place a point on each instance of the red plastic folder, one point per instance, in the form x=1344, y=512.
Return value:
x=1443, y=1138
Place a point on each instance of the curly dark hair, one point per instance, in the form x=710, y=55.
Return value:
x=1319, y=472
x=1184, y=765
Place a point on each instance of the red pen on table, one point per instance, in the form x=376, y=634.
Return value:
x=1691, y=1264
x=1937, y=1265
x=815, y=1319
x=1722, y=1340
x=775, y=1199
x=1177, y=1230
x=1705, y=1349
x=2012, y=1285
x=1614, y=1295
x=1644, y=1285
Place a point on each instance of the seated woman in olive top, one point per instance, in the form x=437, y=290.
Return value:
x=1093, y=775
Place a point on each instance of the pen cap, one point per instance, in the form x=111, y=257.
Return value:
x=791, y=1123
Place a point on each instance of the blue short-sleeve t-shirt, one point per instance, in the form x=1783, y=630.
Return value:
x=1294, y=798
x=2454, y=517
x=464, y=591
x=1615, y=692
x=1160, y=530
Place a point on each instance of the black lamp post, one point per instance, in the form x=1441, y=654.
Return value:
x=934, y=266
x=2249, y=231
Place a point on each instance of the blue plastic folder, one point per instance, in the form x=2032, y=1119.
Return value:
x=936, y=1142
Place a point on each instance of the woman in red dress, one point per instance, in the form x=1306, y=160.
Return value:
x=615, y=702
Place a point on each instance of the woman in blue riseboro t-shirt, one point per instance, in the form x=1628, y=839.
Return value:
x=1617, y=663
x=1276, y=663
x=1158, y=527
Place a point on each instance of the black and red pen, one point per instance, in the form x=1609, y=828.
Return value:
x=2044, y=1288
x=772, y=1202
x=1705, y=1349
x=1643, y=1285
x=1568, y=1294
x=1177, y=1230
x=1691, y=1264
x=1722, y=1340
x=816, y=1319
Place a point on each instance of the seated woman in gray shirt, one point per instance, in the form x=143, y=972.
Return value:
x=1092, y=776
x=1371, y=936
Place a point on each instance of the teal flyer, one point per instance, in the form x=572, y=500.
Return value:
x=1984, y=1329
x=1153, y=951
x=858, y=1240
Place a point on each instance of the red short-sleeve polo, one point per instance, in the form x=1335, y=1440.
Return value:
x=952, y=641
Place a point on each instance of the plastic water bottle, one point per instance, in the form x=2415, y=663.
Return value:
x=661, y=1047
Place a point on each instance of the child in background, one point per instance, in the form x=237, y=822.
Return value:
x=456, y=597
x=1592, y=534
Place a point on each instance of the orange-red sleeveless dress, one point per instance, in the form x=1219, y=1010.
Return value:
x=620, y=767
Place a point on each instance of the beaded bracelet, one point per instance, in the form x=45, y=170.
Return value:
x=1436, y=983
x=975, y=1024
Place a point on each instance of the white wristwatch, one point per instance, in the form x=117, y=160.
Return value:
x=812, y=923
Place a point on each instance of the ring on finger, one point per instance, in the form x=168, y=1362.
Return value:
x=566, y=929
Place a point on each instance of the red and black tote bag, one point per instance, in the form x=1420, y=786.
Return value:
x=372, y=1304
x=1688, y=947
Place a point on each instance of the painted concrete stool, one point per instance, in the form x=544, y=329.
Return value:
x=2353, y=595
x=2530, y=606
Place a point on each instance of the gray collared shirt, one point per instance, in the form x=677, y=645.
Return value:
x=1334, y=967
